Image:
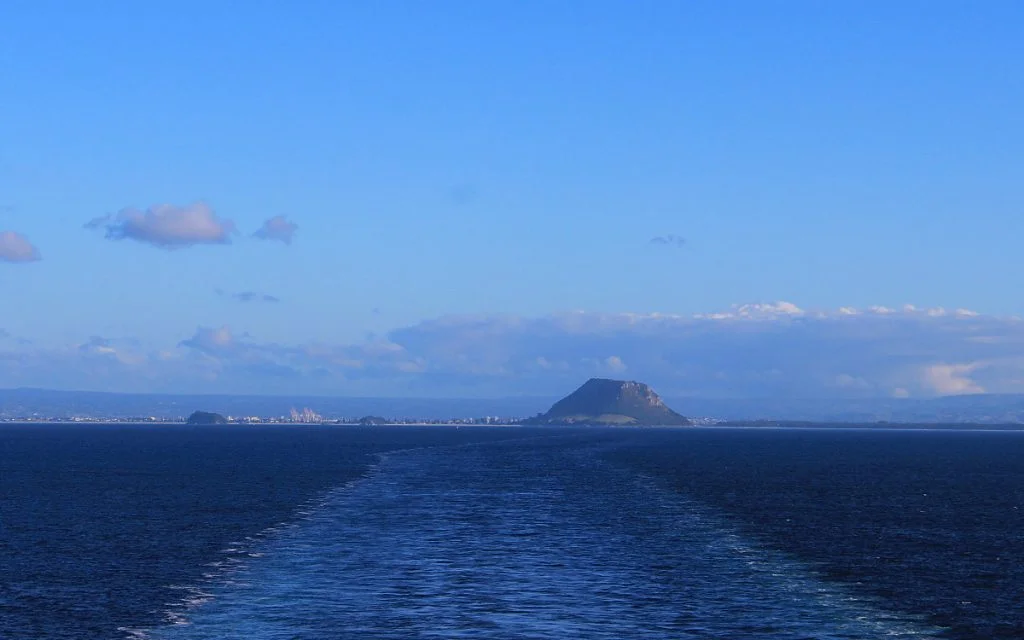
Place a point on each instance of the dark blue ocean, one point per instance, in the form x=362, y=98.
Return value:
x=174, y=532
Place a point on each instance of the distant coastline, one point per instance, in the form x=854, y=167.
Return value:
x=730, y=424
x=877, y=426
x=87, y=406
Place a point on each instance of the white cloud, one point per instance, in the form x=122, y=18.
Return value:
x=764, y=311
x=167, y=226
x=952, y=379
x=277, y=228
x=781, y=308
x=15, y=247
x=211, y=340
x=614, y=364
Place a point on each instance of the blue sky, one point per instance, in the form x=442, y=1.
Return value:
x=468, y=165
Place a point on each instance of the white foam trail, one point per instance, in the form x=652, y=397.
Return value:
x=177, y=612
x=501, y=543
x=853, y=613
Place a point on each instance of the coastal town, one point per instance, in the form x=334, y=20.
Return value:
x=297, y=417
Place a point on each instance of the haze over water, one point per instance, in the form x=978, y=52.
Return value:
x=494, y=533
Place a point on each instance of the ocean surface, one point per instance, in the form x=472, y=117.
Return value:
x=175, y=532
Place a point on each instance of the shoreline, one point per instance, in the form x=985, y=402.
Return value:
x=745, y=425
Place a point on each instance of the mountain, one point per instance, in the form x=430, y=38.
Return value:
x=204, y=417
x=603, y=401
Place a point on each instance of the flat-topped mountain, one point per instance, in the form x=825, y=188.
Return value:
x=601, y=401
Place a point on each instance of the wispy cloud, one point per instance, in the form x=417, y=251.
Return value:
x=166, y=226
x=277, y=228
x=15, y=247
x=247, y=296
x=670, y=240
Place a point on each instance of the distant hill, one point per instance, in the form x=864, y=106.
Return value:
x=610, y=402
x=203, y=417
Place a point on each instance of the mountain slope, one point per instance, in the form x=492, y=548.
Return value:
x=603, y=401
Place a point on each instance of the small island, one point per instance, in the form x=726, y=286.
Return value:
x=204, y=417
x=610, y=402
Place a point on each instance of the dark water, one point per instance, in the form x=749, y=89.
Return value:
x=179, y=533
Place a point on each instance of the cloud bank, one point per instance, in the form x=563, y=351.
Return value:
x=15, y=247
x=167, y=226
x=278, y=228
x=773, y=350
